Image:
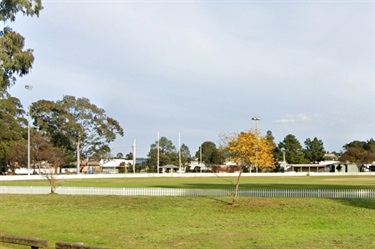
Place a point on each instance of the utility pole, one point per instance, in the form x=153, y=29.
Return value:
x=30, y=88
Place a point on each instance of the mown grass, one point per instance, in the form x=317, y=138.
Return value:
x=184, y=222
x=324, y=182
x=194, y=222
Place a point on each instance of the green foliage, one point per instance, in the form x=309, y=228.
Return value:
x=12, y=128
x=120, y=155
x=9, y=8
x=359, y=152
x=293, y=150
x=12, y=121
x=185, y=155
x=167, y=153
x=75, y=123
x=314, y=150
x=210, y=154
x=15, y=60
x=129, y=156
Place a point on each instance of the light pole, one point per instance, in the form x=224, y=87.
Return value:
x=30, y=88
x=256, y=119
x=284, y=161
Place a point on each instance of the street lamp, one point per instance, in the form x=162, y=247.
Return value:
x=30, y=88
x=256, y=119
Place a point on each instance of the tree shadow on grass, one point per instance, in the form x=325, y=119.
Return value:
x=247, y=186
x=360, y=203
x=220, y=200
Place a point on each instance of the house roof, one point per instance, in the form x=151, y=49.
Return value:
x=114, y=162
x=307, y=165
x=169, y=166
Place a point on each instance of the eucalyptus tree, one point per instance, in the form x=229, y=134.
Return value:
x=75, y=123
x=15, y=59
x=12, y=126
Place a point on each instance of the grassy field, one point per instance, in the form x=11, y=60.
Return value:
x=199, y=222
x=337, y=182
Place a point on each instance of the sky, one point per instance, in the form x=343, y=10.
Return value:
x=204, y=68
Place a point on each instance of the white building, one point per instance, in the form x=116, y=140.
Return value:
x=112, y=165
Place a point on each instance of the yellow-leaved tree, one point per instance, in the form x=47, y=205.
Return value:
x=249, y=150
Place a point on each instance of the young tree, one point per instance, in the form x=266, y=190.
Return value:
x=314, y=150
x=76, y=123
x=247, y=149
x=42, y=150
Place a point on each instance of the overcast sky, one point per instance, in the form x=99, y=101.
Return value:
x=201, y=68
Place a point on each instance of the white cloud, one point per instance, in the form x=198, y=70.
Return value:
x=298, y=118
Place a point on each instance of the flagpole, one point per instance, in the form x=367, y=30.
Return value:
x=179, y=151
x=134, y=156
x=157, y=156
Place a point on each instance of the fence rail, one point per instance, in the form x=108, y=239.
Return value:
x=269, y=193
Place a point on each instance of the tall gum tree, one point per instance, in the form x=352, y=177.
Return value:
x=12, y=127
x=76, y=123
x=15, y=59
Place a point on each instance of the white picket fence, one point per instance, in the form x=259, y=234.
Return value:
x=269, y=193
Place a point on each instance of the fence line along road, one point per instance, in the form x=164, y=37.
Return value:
x=269, y=193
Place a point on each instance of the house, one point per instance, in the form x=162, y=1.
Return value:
x=169, y=168
x=198, y=166
x=90, y=167
x=326, y=166
x=309, y=168
x=112, y=166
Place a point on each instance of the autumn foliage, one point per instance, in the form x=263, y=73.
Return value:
x=250, y=149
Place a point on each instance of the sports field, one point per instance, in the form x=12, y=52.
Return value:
x=269, y=182
x=195, y=222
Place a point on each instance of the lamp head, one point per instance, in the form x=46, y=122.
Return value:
x=28, y=87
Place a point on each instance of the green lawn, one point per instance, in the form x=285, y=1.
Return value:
x=180, y=222
x=332, y=182
x=194, y=222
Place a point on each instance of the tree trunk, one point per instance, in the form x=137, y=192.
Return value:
x=237, y=187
